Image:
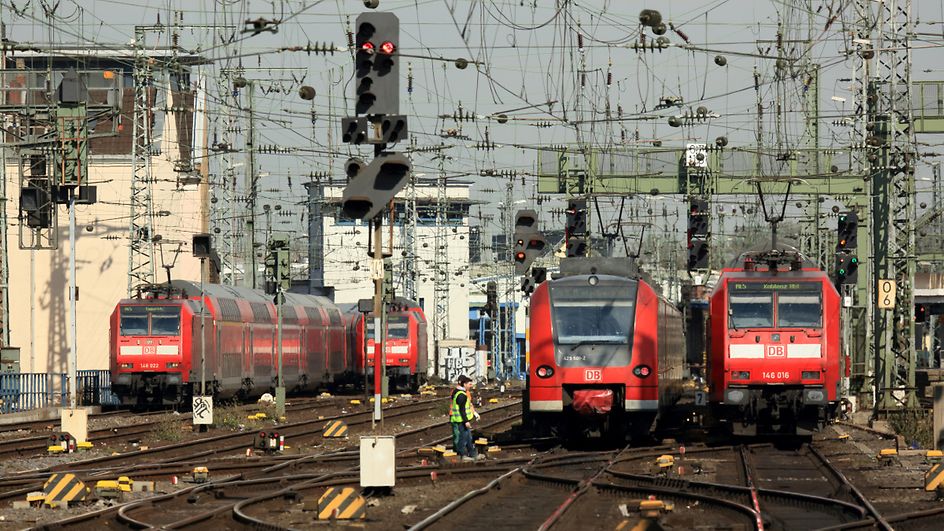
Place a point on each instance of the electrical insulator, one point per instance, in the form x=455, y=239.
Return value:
x=580, y=41
x=609, y=78
x=409, y=79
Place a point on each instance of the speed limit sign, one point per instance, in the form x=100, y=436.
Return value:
x=886, y=293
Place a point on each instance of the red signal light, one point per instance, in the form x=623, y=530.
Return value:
x=388, y=47
x=367, y=47
x=519, y=256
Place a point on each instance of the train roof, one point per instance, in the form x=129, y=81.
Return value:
x=219, y=291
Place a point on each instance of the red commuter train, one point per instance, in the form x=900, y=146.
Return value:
x=606, y=355
x=774, y=352
x=155, y=344
x=406, y=345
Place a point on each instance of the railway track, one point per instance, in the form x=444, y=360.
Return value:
x=194, y=506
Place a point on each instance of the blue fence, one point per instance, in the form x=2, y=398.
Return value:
x=25, y=391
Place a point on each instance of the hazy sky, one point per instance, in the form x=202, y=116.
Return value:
x=531, y=66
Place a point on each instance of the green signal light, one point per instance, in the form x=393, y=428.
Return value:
x=842, y=271
x=855, y=260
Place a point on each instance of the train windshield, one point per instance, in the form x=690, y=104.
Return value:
x=797, y=304
x=593, y=324
x=150, y=320
x=597, y=315
x=398, y=327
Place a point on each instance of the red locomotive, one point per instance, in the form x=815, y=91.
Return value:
x=774, y=361
x=606, y=352
x=155, y=344
x=406, y=345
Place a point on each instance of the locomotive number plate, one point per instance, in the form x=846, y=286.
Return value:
x=593, y=375
x=148, y=365
x=776, y=375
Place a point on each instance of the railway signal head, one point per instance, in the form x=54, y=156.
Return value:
x=848, y=229
x=529, y=242
x=373, y=186
x=847, y=269
x=576, y=218
x=377, y=64
x=697, y=254
x=698, y=218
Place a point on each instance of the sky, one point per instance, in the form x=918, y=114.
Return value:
x=564, y=72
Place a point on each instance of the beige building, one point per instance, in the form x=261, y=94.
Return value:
x=38, y=279
x=347, y=264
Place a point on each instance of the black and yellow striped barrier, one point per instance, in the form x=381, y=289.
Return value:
x=64, y=488
x=934, y=478
x=342, y=504
x=335, y=428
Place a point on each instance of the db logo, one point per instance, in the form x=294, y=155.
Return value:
x=593, y=375
x=150, y=349
x=776, y=351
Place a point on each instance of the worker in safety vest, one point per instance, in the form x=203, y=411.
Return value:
x=461, y=413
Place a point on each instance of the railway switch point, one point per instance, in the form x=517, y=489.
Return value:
x=844, y=437
x=425, y=451
x=108, y=489
x=125, y=483
x=888, y=456
x=494, y=449
x=83, y=446
x=200, y=474
x=355, y=402
x=934, y=456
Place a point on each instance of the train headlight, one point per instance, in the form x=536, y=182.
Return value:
x=126, y=365
x=741, y=375
x=642, y=371
x=593, y=280
x=809, y=375
x=172, y=365
x=735, y=396
x=544, y=371
x=814, y=396
x=404, y=360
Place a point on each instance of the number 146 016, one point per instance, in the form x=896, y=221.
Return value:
x=775, y=375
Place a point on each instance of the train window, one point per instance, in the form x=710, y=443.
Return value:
x=397, y=327
x=751, y=310
x=597, y=316
x=799, y=310
x=165, y=325
x=134, y=323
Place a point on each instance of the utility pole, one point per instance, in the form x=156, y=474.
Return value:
x=140, y=231
x=890, y=145
x=441, y=261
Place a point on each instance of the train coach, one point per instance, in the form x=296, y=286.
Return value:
x=606, y=352
x=405, y=346
x=156, y=346
x=774, y=352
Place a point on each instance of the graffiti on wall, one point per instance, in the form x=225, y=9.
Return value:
x=455, y=361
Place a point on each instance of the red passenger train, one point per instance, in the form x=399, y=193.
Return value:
x=606, y=353
x=406, y=345
x=155, y=344
x=774, y=352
